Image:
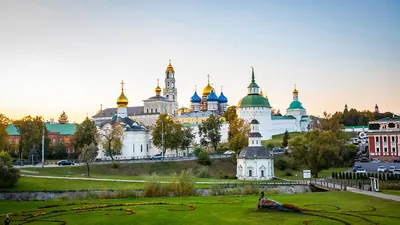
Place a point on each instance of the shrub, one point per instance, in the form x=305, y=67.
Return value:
x=115, y=165
x=8, y=175
x=234, y=157
x=232, y=176
x=281, y=164
x=186, y=183
x=197, y=150
x=288, y=173
x=203, y=172
x=204, y=158
x=389, y=186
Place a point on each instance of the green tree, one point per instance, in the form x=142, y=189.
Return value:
x=8, y=175
x=230, y=114
x=285, y=139
x=63, y=119
x=349, y=154
x=88, y=154
x=210, y=132
x=163, y=127
x=204, y=158
x=177, y=135
x=329, y=122
x=4, y=121
x=238, y=135
x=60, y=151
x=111, y=139
x=31, y=131
x=188, y=138
x=317, y=150
x=85, y=134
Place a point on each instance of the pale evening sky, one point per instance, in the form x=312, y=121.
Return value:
x=71, y=55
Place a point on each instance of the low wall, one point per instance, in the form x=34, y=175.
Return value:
x=44, y=196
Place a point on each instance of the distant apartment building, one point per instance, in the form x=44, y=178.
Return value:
x=384, y=138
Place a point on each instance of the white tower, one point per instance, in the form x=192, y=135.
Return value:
x=170, y=91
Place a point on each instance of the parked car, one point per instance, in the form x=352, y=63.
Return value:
x=156, y=156
x=65, y=163
x=376, y=161
x=356, y=167
x=229, y=152
x=396, y=161
x=391, y=168
x=361, y=170
x=364, y=160
x=382, y=169
x=396, y=171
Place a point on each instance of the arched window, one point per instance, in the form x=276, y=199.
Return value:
x=141, y=148
x=147, y=147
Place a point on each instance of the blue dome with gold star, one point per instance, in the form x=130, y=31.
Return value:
x=212, y=97
x=222, y=98
x=195, y=98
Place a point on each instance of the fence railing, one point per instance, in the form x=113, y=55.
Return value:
x=260, y=184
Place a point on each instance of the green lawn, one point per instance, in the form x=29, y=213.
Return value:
x=278, y=138
x=391, y=192
x=318, y=208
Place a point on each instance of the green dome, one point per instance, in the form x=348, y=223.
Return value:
x=254, y=101
x=296, y=105
x=253, y=85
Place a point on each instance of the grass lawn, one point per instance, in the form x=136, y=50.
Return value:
x=278, y=138
x=298, y=175
x=46, y=184
x=391, y=192
x=323, y=208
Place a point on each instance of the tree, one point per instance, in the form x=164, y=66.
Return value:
x=111, y=139
x=60, y=151
x=176, y=139
x=285, y=140
x=349, y=154
x=275, y=112
x=31, y=131
x=317, y=150
x=88, y=154
x=163, y=127
x=8, y=175
x=329, y=122
x=210, y=131
x=4, y=121
x=204, y=158
x=238, y=135
x=63, y=119
x=188, y=138
x=85, y=134
x=230, y=114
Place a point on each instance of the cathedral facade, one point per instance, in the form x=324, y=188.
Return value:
x=256, y=106
x=148, y=113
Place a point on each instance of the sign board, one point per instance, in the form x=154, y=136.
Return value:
x=306, y=174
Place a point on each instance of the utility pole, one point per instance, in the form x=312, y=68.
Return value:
x=44, y=125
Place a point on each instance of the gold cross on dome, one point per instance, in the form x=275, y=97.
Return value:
x=122, y=84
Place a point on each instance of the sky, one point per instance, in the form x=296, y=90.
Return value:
x=71, y=55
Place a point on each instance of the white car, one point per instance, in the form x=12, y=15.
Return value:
x=381, y=169
x=396, y=171
x=361, y=170
x=391, y=169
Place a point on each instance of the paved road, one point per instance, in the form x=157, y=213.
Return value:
x=372, y=167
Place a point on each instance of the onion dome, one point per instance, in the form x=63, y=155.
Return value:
x=296, y=105
x=157, y=89
x=170, y=68
x=212, y=97
x=222, y=98
x=122, y=100
x=295, y=90
x=195, y=98
x=207, y=90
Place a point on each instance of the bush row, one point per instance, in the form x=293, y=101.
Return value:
x=182, y=185
x=365, y=176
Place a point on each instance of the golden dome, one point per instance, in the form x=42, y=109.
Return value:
x=158, y=89
x=207, y=90
x=295, y=90
x=261, y=93
x=122, y=100
x=170, y=68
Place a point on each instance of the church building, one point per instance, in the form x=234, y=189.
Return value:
x=296, y=118
x=136, y=139
x=255, y=162
x=152, y=107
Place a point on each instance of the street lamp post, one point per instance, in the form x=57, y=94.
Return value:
x=44, y=125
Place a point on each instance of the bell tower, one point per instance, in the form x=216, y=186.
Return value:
x=170, y=91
